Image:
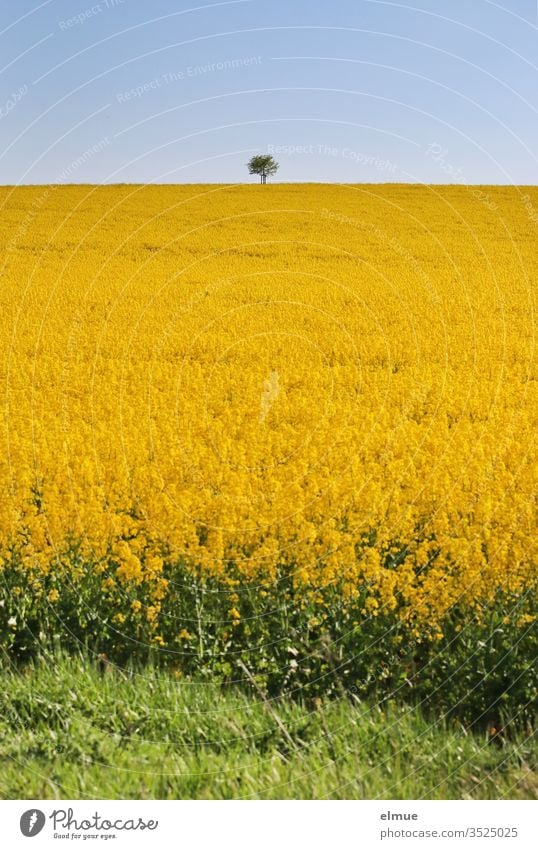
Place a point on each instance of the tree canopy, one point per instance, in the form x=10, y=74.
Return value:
x=264, y=165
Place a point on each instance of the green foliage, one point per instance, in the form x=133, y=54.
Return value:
x=264, y=165
x=481, y=669
x=71, y=728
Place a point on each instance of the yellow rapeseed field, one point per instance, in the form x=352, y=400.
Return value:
x=326, y=389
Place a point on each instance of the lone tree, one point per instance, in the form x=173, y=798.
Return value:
x=264, y=165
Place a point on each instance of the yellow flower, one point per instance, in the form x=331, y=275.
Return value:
x=362, y=436
x=152, y=612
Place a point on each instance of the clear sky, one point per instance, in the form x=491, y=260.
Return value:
x=338, y=90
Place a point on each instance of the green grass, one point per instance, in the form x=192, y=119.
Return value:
x=70, y=729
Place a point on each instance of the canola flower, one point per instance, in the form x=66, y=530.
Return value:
x=331, y=388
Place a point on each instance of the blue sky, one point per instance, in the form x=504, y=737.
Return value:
x=345, y=91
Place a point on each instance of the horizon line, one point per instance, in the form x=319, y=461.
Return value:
x=273, y=183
